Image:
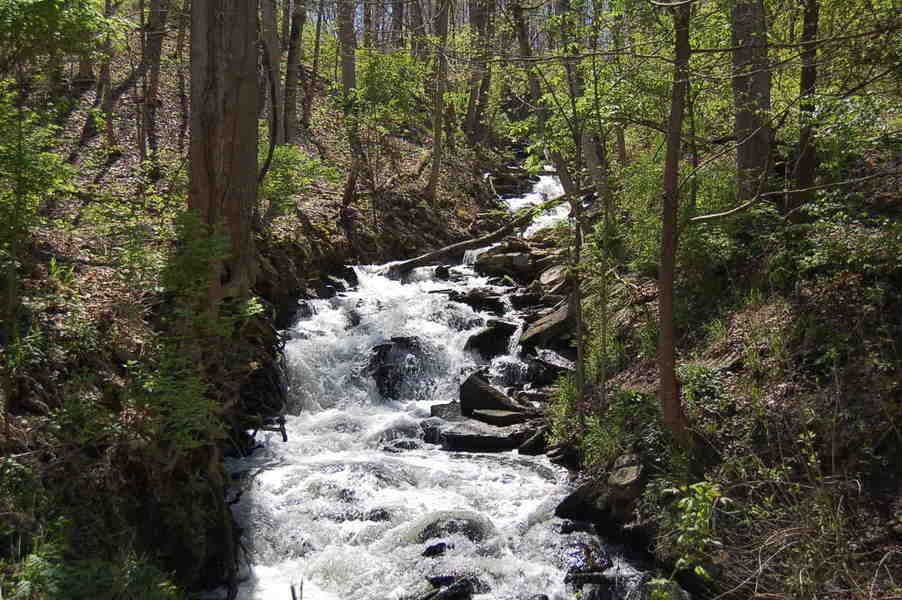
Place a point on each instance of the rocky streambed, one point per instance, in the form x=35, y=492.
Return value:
x=416, y=465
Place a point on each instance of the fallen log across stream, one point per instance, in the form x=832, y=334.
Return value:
x=457, y=250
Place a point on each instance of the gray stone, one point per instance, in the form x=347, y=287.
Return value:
x=473, y=436
x=553, y=276
x=477, y=393
x=445, y=411
x=626, y=483
x=551, y=327
x=500, y=417
x=493, y=340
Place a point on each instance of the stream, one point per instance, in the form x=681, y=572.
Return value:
x=356, y=505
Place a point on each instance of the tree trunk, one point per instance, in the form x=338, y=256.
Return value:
x=751, y=96
x=310, y=88
x=369, y=29
x=397, y=23
x=418, y=31
x=223, y=151
x=807, y=162
x=523, y=42
x=669, y=389
x=181, y=80
x=272, y=48
x=348, y=42
x=156, y=31
x=441, y=24
x=292, y=72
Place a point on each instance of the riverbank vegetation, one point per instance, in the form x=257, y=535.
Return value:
x=173, y=181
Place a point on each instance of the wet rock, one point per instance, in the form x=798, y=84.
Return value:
x=437, y=549
x=477, y=393
x=305, y=310
x=445, y=411
x=349, y=275
x=500, y=417
x=403, y=445
x=550, y=328
x=534, y=444
x=521, y=301
x=566, y=455
x=471, y=525
x=513, y=264
x=531, y=396
x=588, y=502
x=539, y=597
x=493, y=340
x=393, y=363
x=473, y=436
x=480, y=299
x=443, y=272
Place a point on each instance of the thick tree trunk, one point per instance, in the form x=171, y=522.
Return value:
x=348, y=42
x=807, y=163
x=273, y=50
x=182, y=81
x=669, y=389
x=292, y=72
x=751, y=96
x=224, y=136
x=438, y=106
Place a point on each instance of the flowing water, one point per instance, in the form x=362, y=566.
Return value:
x=352, y=501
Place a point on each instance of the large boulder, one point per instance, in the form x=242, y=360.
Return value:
x=493, y=339
x=480, y=299
x=477, y=393
x=513, y=264
x=473, y=436
x=588, y=502
x=553, y=276
x=440, y=524
x=501, y=418
x=550, y=328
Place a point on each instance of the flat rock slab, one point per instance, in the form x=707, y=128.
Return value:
x=473, y=436
x=548, y=328
x=500, y=417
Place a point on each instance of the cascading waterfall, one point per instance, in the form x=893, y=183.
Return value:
x=355, y=498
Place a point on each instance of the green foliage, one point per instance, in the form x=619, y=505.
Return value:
x=50, y=571
x=632, y=422
x=29, y=173
x=290, y=172
x=390, y=88
x=689, y=523
x=32, y=28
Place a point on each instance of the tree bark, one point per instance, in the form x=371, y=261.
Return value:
x=751, y=96
x=348, y=42
x=156, y=32
x=807, y=162
x=272, y=48
x=418, y=30
x=310, y=88
x=525, y=48
x=223, y=150
x=397, y=23
x=669, y=388
x=292, y=72
x=438, y=107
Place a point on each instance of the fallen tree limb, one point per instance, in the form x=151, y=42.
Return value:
x=405, y=266
x=520, y=222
